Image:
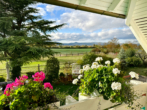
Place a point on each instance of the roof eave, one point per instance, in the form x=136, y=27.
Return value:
x=83, y=8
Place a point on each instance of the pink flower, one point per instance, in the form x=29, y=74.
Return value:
x=24, y=77
x=48, y=85
x=39, y=76
x=18, y=82
x=7, y=92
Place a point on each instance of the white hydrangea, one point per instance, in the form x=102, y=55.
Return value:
x=80, y=76
x=116, y=60
x=86, y=67
x=75, y=81
x=93, y=66
x=116, y=86
x=116, y=71
x=99, y=66
x=134, y=75
x=81, y=71
x=99, y=59
x=95, y=63
x=107, y=62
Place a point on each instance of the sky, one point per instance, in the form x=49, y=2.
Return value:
x=84, y=26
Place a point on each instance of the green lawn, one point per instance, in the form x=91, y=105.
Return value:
x=72, y=51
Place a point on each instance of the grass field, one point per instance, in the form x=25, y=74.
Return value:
x=72, y=51
x=28, y=67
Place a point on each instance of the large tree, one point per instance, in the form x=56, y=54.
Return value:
x=24, y=36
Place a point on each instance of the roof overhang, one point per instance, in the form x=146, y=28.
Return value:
x=81, y=7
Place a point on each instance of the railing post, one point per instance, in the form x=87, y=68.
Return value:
x=7, y=69
x=38, y=67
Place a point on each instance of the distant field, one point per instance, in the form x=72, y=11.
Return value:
x=72, y=51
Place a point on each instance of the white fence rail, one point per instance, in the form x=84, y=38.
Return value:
x=98, y=103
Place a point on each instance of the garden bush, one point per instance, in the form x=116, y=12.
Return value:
x=16, y=72
x=51, y=69
x=133, y=61
x=130, y=52
x=2, y=79
x=95, y=50
x=122, y=54
x=29, y=74
x=89, y=58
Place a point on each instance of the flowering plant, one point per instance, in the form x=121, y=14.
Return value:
x=27, y=94
x=107, y=80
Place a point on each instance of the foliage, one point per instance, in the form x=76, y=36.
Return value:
x=143, y=56
x=15, y=72
x=62, y=74
x=133, y=61
x=23, y=36
x=33, y=94
x=130, y=52
x=102, y=78
x=2, y=79
x=113, y=45
x=122, y=54
x=89, y=58
x=29, y=74
x=52, y=69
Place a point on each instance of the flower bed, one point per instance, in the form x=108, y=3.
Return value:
x=28, y=94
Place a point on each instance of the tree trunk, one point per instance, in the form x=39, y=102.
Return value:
x=8, y=72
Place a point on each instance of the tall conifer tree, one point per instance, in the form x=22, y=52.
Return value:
x=23, y=36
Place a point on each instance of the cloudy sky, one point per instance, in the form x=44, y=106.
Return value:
x=84, y=26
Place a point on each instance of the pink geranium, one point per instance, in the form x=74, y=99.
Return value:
x=24, y=77
x=7, y=92
x=39, y=76
x=48, y=85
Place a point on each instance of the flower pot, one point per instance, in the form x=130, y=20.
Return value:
x=52, y=106
x=83, y=96
x=69, y=77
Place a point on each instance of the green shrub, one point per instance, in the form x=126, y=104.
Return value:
x=133, y=61
x=62, y=74
x=51, y=69
x=29, y=74
x=90, y=58
x=16, y=72
x=130, y=52
x=95, y=50
x=2, y=79
x=122, y=54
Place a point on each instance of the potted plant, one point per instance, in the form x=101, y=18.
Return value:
x=106, y=81
x=28, y=94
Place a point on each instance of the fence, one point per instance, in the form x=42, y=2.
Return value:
x=73, y=54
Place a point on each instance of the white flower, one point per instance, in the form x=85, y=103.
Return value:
x=99, y=59
x=107, y=62
x=95, y=63
x=116, y=86
x=116, y=71
x=26, y=81
x=80, y=76
x=132, y=74
x=81, y=71
x=93, y=66
x=75, y=81
x=116, y=60
x=86, y=67
x=137, y=76
x=99, y=66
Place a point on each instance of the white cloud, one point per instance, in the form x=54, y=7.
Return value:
x=90, y=22
x=104, y=35
x=41, y=11
x=50, y=8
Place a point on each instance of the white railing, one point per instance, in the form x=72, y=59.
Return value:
x=98, y=103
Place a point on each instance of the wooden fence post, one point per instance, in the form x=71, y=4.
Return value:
x=38, y=67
